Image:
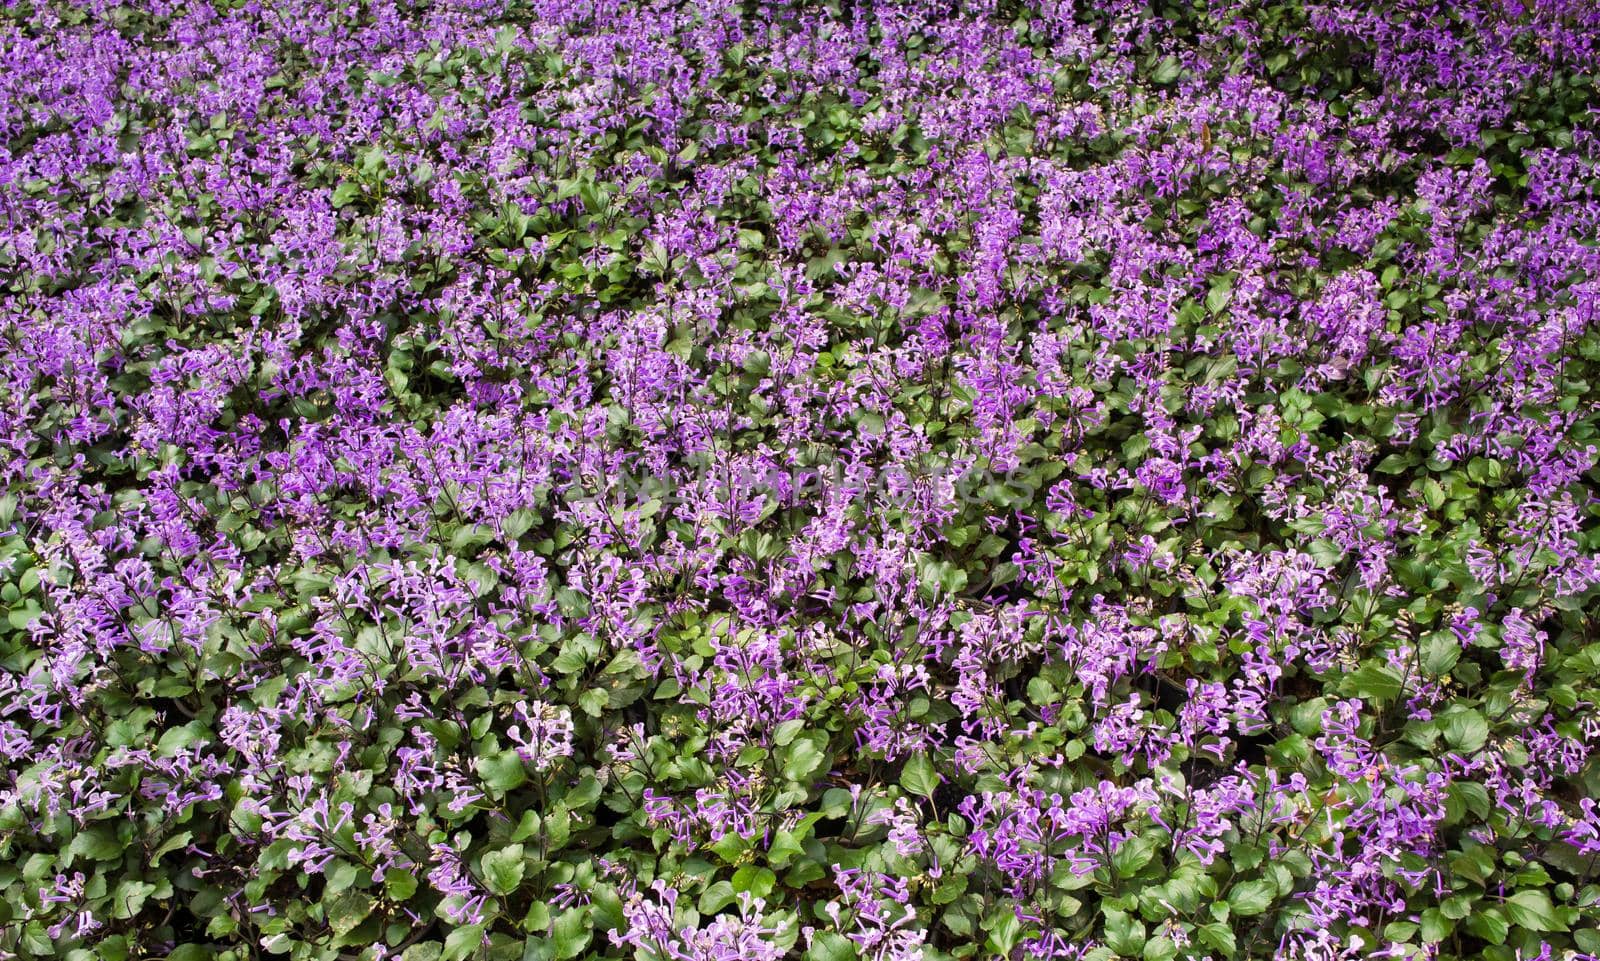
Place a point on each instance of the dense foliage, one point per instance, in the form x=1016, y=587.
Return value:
x=715, y=480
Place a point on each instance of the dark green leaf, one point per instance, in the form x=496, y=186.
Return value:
x=918, y=776
x=1532, y=910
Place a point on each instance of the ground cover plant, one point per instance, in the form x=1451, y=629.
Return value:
x=678, y=481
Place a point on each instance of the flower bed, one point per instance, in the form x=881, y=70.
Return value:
x=911, y=480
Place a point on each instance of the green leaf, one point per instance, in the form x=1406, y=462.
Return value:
x=537, y=918
x=1374, y=681
x=952, y=887
x=1490, y=925
x=1463, y=798
x=1252, y=897
x=918, y=776
x=399, y=883
x=804, y=756
x=595, y=199
x=1440, y=652
x=1166, y=71
x=1456, y=907
x=1466, y=730
x=785, y=847
x=340, y=874
x=1160, y=948
x=503, y=869
x=1435, y=926
x=1004, y=929
x=716, y=897
x=571, y=932
x=758, y=881
x=503, y=771
x=346, y=912
x=1133, y=855
x=594, y=700
x=98, y=843
x=129, y=897
x=829, y=946
x=1532, y=910
x=462, y=943
x=346, y=193
x=730, y=847
x=1217, y=299
x=788, y=731
x=1124, y=933
x=1219, y=936
x=169, y=845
